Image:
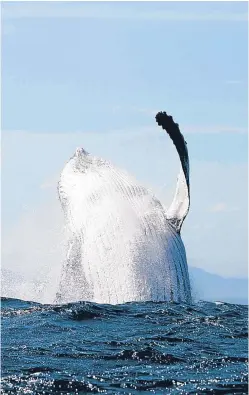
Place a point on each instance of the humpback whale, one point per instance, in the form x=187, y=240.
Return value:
x=123, y=245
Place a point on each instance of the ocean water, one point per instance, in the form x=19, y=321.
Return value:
x=134, y=348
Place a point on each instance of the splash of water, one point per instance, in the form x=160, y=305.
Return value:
x=32, y=252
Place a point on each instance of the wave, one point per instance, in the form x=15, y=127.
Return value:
x=85, y=347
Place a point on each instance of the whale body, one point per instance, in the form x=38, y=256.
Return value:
x=122, y=244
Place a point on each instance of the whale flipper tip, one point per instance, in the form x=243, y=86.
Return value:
x=165, y=120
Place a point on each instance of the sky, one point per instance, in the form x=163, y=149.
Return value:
x=95, y=75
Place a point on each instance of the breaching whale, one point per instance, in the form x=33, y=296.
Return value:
x=122, y=244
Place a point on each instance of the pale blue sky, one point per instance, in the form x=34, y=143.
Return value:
x=103, y=70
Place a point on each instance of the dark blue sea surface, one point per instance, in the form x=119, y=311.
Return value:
x=134, y=348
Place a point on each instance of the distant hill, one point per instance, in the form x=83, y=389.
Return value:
x=211, y=287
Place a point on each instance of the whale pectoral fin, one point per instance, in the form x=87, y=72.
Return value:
x=73, y=284
x=179, y=208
